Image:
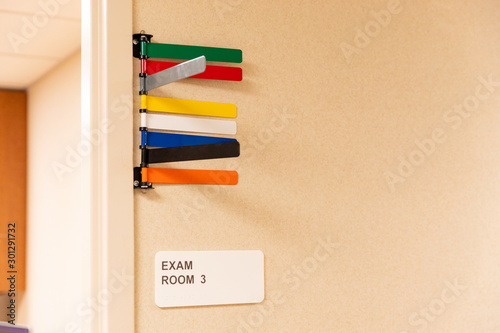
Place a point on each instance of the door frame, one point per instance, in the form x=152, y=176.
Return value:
x=107, y=113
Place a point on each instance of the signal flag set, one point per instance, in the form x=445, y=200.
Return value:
x=158, y=145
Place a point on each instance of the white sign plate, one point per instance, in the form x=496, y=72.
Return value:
x=193, y=278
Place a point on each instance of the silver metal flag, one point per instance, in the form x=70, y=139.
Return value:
x=176, y=73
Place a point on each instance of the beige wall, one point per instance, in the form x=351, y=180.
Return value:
x=321, y=133
x=55, y=249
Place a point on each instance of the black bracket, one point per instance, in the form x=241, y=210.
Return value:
x=138, y=180
x=136, y=40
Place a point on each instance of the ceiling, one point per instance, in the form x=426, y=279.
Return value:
x=35, y=36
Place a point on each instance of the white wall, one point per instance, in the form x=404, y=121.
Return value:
x=55, y=246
